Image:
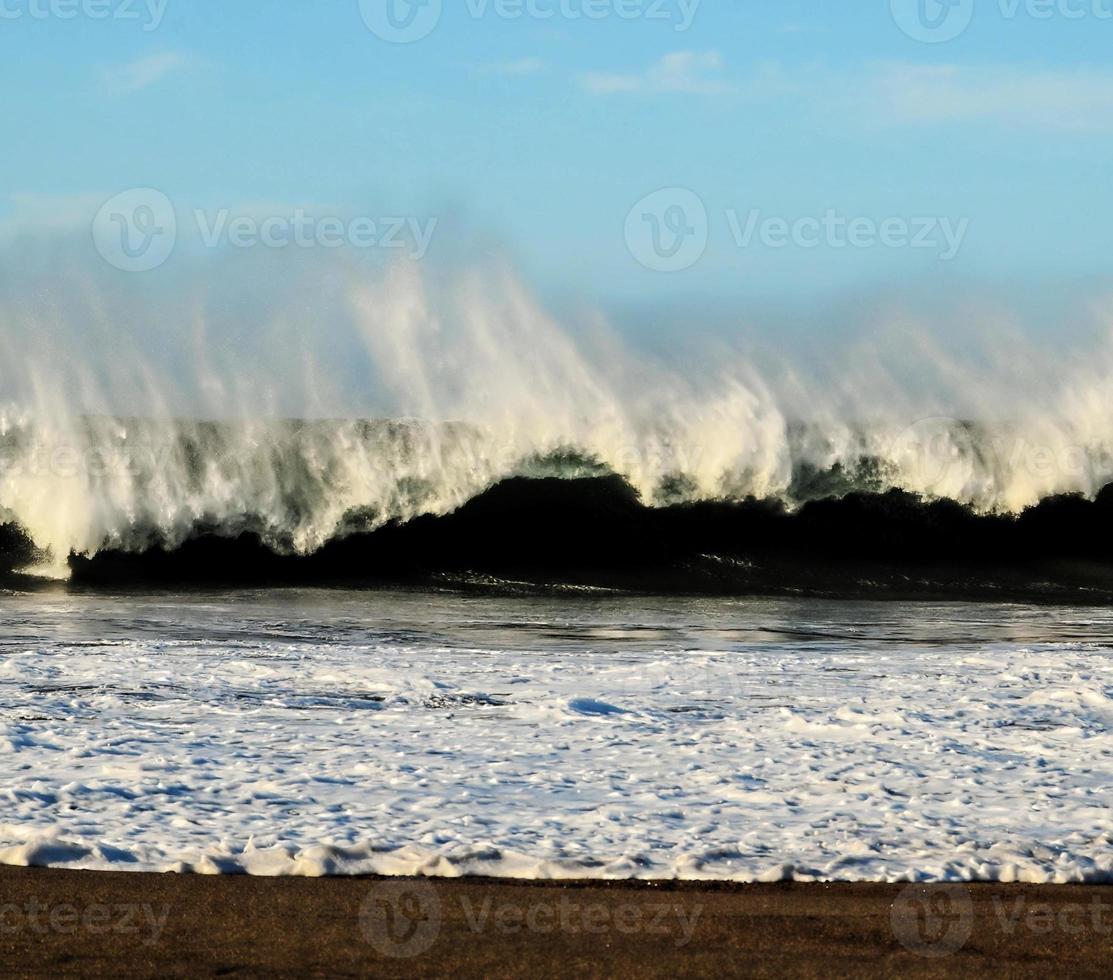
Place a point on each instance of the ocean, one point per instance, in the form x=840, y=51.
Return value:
x=501, y=729
x=548, y=614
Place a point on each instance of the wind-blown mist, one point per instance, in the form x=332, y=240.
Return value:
x=135, y=410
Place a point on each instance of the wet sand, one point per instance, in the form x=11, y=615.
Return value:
x=61, y=923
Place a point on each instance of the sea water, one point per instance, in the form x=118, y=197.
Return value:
x=580, y=735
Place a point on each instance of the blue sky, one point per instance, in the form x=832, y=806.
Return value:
x=541, y=133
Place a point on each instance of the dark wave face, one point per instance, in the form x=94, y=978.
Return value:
x=17, y=550
x=595, y=534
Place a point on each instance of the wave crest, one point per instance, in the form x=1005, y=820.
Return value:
x=474, y=385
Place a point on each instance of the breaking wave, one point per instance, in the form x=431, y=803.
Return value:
x=477, y=394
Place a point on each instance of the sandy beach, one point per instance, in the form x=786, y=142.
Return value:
x=62, y=923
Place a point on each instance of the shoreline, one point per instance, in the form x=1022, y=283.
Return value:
x=68, y=923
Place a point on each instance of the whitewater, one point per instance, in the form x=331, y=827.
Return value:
x=404, y=393
x=316, y=732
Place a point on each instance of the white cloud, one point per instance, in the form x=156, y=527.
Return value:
x=891, y=93
x=525, y=66
x=1079, y=99
x=688, y=72
x=143, y=72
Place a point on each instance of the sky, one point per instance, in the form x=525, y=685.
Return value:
x=636, y=154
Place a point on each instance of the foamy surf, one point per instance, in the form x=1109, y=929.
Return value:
x=337, y=733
